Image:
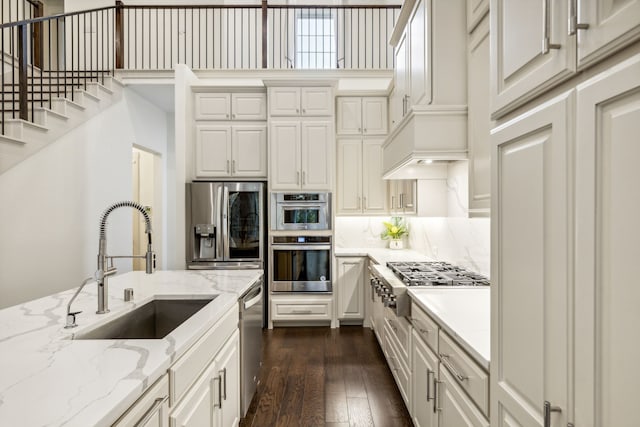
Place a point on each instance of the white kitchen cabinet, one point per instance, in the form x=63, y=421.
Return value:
x=423, y=382
x=301, y=155
x=456, y=409
x=208, y=403
x=419, y=79
x=361, y=188
x=300, y=101
x=606, y=254
x=476, y=11
x=402, y=196
x=523, y=68
x=292, y=309
x=350, y=287
x=230, y=151
x=530, y=265
x=362, y=116
x=150, y=410
x=230, y=106
x=479, y=120
x=401, y=77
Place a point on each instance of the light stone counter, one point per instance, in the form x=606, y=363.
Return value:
x=382, y=255
x=463, y=313
x=47, y=379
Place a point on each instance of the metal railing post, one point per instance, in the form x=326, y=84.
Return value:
x=38, y=12
x=23, y=58
x=119, y=34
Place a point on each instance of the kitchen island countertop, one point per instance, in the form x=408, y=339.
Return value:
x=46, y=378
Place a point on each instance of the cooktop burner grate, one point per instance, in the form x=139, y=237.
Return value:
x=436, y=273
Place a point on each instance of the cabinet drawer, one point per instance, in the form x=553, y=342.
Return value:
x=467, y=373
x=397, y=365
x=401, y=331
x=152, y=407
x=425, y=327
x=184, y=372
x=301, y=310
x=455, y=407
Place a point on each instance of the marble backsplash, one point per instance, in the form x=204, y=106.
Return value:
x=461, y=241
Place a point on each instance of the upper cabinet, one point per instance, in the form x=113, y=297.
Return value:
x=362, y=116
x=300, y=101
x=476, y=10
x=537, y=45
x=230, y=106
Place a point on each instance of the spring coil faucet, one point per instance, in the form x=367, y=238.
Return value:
x=106, y=269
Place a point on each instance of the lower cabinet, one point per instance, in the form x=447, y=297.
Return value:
x=214, y=400
x=301, y=309
x=150, y=410
x=350, y=287
x=454, y=407
x=424, y=411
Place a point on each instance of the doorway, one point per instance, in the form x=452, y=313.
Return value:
x=147, y=191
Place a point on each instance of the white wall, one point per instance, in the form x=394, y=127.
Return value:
x=52, y=202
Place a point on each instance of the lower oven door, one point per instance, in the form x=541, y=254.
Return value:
x=301, y=268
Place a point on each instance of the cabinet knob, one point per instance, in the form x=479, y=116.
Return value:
x=234, y=116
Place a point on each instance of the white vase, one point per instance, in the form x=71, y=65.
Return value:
x=395, y=244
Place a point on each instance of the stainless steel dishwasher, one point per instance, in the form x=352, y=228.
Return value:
x=251, y=307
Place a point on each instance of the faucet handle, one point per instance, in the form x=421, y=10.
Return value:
x=71, y=319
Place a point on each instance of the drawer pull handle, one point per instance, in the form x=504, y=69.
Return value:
x=548, y=409
x=447, y=362
x=219, y=404
x=301, y=311
x=224, y=377
x=436, y=386
x=157, y=404
x=429, y=373
x=546, y=43
x=419, y=325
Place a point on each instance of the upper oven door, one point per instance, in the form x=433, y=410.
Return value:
x=302, y=217
x=301, y=268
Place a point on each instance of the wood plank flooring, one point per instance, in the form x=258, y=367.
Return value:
x=325, y=377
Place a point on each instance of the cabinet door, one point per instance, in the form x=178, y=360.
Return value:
x=419, y=29
x=530, y=269
x=316, y=101
x=607, y=231
x=196, y=409
x=213, y=106
x=423, y=383
x=408, y=197
x=213, y=151
x=228, y=366
x=317, y=155
x=400, y=77
x=249, y=151
x=374, y=116
x=479, y=120
x=374, y=188
x=612, y=25
x=284, y=173
x=520, y=67
x=455, y=407
x=249, y=106
x=350, y=288
x=284, y=101
x=349, y=116
x=395, y=108
x=349, y=176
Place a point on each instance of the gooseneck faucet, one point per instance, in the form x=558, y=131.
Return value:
x=105, y=262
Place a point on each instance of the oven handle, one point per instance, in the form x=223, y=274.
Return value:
x=307, y=247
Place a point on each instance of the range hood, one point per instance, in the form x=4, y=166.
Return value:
x=432, y=86
x=425, y=139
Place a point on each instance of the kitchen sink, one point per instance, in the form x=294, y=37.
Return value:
x=156, y=319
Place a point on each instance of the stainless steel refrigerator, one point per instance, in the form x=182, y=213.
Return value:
x=225, y=225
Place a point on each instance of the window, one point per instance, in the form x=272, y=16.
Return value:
x=315, y=39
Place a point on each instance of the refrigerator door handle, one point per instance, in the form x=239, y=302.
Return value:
x=225, y=222
x=220, y=225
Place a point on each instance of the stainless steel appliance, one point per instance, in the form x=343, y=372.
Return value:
x=225, y=225
x=390, y=283
x=301, y=264
x=301, y=211
x=251, y=313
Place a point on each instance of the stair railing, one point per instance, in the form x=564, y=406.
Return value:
x=45, y=58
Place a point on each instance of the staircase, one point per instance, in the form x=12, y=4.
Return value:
x=54, y=108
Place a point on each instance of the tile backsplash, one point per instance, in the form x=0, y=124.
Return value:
x=461, y=241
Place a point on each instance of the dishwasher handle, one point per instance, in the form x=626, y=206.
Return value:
x=249, y=302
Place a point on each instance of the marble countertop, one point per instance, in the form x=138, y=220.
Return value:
x=464, y=314
x=382, y=255
x=48, y=379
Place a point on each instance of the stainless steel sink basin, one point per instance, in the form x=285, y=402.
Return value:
x=154, y=320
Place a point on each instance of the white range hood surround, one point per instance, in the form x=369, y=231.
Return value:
x=427, y=136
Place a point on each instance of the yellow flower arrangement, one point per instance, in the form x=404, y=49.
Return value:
x=394, y=229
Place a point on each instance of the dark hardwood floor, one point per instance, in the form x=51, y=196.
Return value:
x=325, y=377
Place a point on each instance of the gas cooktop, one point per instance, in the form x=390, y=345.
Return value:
x=436, y=274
